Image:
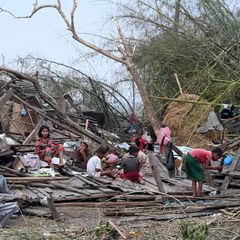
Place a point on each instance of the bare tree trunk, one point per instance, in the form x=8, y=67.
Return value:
x=151, y=115
x=126, y=59
x=177, y=15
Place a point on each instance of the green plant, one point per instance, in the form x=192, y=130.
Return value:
x=104, y=231
x=193, y=231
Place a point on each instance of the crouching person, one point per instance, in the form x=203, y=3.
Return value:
x=195, y=162
x=94, y=164
x=131, y=166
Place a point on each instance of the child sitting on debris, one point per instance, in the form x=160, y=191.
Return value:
x=111, y=159
x=143, y=160
x=131, y=166
x=195, y=162
x=46, y=149
x=94, y=165
x=82, y=156
x=143, y=142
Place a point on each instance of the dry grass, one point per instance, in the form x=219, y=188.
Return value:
x=184, y=119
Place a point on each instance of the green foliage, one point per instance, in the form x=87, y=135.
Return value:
x=104, y=231
x=203, y=49
x=193, y=231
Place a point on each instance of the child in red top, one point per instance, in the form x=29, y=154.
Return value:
x=195, y=162
x=142, y=141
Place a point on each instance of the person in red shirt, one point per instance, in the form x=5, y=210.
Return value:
x=195, y=162
x=141, y=141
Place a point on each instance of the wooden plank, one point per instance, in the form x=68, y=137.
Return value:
x=42, y=191
x=63, y=186
x=38, y=193
x=14, y=172
x=5, y=153
x=48, y=190
x=168, y=217
x=63, y=193
x=33, y=179
x=107, y=204
x=87, y=181
x=34, y=131
x=37, y=212
x=7, y=96
x=208, y=178
x=234, y=164
x=156, y=173
x=30, y=194
x=56, y=194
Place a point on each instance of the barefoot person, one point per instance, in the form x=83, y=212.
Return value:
x=195, y=162
x=46, y=149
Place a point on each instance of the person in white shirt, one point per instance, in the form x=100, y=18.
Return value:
x=94, y=165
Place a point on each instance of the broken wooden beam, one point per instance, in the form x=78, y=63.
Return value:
x=15, y=172
x=155, y=170
x=53, y=209
x=107, y=204
x=34, y=179
x=7, y=96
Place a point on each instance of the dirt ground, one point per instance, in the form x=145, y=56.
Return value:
x=90, y=223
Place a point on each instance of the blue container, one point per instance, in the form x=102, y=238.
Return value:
x=228, y=160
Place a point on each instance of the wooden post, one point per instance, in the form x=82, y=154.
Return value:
x=156, y=171
x=53, y=209
x=208, y=178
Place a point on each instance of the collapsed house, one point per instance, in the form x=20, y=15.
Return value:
x=24, y=107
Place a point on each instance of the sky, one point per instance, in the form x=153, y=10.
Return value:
x=45, y=34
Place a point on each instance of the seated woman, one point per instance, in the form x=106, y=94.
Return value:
x=46, y=149
x=82, y=156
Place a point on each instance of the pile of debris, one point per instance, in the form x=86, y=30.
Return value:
x=23, y=112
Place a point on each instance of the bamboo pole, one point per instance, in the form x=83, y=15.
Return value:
x=189, y=101
x=178, y=83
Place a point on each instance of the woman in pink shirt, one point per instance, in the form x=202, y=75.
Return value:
x=195, y=162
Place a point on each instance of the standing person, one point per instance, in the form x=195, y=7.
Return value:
x=82, y=156
x=94, y=164
x=142, y=141
x=195, y=162
x=131, y=166
x=164, y=138
x=46, y=149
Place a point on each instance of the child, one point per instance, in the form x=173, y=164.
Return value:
x=94, y=164
x=111, y=158
x=143, y=142
x=46, y=149
x=131, y=166
x=195, y=162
